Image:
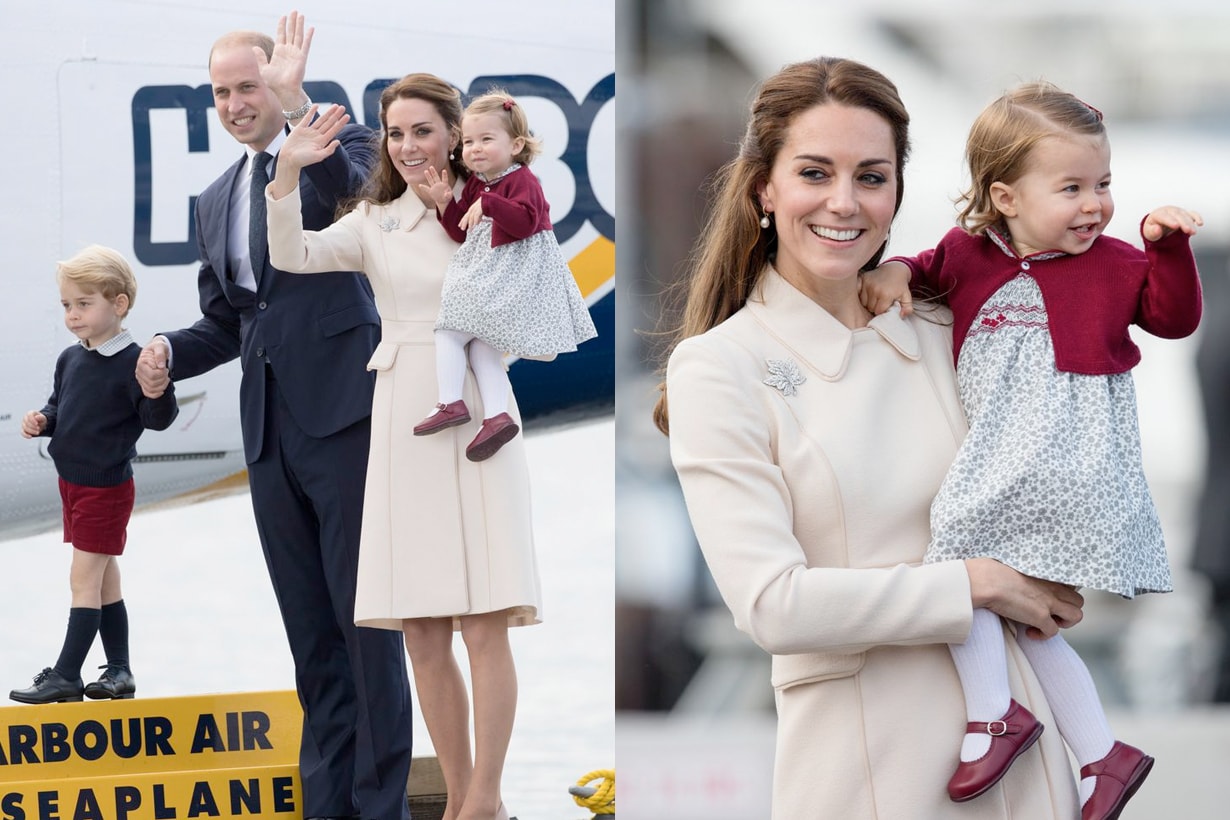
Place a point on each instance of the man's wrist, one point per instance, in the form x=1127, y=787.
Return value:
x=300, y=112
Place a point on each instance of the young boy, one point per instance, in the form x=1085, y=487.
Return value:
x=94, y=417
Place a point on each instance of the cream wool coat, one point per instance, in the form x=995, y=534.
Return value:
x=810, y=499
x=442, y=536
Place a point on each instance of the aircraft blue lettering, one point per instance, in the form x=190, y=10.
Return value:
x=197, y=102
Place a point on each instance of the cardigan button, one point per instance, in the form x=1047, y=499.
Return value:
x=1024, y=264
x=487, y=188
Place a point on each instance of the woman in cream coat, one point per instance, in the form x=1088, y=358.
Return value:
x=446, y=542
x=810, y=439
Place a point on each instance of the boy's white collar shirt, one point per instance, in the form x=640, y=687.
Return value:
x=112, y=346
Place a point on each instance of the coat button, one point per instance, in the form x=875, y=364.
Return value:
x=260, y=352
x=262, y=305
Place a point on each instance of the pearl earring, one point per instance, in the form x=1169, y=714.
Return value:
x=764, y=221
x=450, y=155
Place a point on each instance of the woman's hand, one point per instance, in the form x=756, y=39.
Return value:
x=1168, y=219
x=1043, y=606
x=310, y=141
x=437, y=187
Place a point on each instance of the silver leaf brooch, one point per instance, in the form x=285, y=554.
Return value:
x=784, y=374
x=389, y=224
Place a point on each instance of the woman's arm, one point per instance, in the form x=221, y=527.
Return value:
x=742, y=512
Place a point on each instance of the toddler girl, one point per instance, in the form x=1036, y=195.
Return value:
x=508, y=288
x=1049, y=479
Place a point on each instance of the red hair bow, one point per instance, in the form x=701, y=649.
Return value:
x=509, y=103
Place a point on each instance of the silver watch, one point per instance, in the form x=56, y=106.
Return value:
x=300, y=112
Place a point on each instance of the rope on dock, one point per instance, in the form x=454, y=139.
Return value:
x=599, y=799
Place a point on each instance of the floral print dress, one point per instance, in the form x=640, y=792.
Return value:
x=1050, y=479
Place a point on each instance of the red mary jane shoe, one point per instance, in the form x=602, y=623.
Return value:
x=445, y=416
x=1119, y=775
x=494, y=434
x=1011, y=735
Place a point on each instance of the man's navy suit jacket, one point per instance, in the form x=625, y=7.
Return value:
x=316, y=331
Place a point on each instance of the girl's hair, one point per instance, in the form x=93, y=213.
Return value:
x=1003, y=138
x=499, y=102
x=384, y=183
x=733, y=249
x=98, y=269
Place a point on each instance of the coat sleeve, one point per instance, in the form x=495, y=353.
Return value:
x=292, y=249
x=214, y=338
x=1170, y=302
x=741, y=508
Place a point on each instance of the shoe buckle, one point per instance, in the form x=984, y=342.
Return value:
x=1001, y=725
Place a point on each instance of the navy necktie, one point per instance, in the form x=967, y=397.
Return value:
x=258, y=237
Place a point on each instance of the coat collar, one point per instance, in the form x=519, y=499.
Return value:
x=821, y=343
x=408, y=210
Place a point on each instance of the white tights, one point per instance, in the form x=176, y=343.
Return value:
x=486, y=362
x=982, y=666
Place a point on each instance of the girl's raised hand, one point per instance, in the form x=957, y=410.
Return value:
x=437, y=187
x=1167, y=219
x=473, y=216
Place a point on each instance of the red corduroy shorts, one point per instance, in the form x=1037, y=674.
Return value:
x=96, y=518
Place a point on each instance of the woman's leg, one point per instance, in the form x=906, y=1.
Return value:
x=442, y=698
x=495, y=705
x=491, y=376
x=1073, y=699
x=982, y=666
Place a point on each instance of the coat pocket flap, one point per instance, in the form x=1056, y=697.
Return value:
x=339, y=321
x=791, y=670
x=383, y=356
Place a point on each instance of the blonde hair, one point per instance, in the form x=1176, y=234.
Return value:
x=99, y=269
x=733, y=250
x=499, y=102
x=1003, y=137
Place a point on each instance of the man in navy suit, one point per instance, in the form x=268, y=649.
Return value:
x=305, y=405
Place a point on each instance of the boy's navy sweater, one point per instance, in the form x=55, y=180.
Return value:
x=97, y=412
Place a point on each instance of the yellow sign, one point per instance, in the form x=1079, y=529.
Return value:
x=233, y=755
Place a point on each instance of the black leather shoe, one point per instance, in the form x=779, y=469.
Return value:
x=49, y=687
x=116, y=683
